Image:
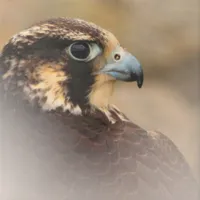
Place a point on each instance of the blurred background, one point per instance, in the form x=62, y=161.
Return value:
x=163, y=35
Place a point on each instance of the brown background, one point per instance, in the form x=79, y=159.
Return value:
x=163, y=35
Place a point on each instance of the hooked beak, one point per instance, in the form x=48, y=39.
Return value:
x=126, y=69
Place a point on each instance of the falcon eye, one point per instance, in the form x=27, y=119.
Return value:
x=84, y=51
x=80, y=51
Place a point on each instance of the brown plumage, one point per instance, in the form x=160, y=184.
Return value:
x=62, y=140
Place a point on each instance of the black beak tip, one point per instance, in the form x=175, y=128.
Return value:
x=140, y=81
x=138, y=77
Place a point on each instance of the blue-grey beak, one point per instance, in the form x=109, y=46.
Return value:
x=127, y=68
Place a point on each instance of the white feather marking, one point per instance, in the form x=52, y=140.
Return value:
x=76, y=110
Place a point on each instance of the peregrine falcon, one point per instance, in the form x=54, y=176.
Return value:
x=62, y=140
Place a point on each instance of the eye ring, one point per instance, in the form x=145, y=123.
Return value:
x=77, y=57
x=117, y=57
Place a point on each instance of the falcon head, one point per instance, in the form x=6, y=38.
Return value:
x=67, y=63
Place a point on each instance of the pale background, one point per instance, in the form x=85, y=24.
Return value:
x=163, y=35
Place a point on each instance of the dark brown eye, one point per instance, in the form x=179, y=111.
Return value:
x=80, y=50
